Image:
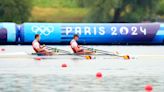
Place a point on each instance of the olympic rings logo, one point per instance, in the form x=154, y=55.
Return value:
x=43, y=30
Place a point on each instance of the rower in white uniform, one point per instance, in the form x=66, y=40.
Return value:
x=76, y=48
x=41, y=50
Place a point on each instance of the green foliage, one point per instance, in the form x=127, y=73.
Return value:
x=141, y=10
x=85, y=3
x=57, y=14
x=57, y=11
x=80, y=10
x=15, y=10
x=120, y=10
x=55, y=3
x=161, y=7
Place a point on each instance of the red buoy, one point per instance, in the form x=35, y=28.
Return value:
x=2, y=49
x=148, y=88
x=99, y=75
x=64, y=65
x=38, y=58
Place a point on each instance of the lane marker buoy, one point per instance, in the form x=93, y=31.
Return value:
x=148, y=88
x=38, y=58
x=64, y=65
x=98, y=75
x=2, y=49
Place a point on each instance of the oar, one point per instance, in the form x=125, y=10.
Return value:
x=67, y=52
x=107, y=53
x=59, y=50
x=97, y=50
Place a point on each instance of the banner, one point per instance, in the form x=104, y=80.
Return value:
x=49, y=32
x=8, y=32
x=94, y=33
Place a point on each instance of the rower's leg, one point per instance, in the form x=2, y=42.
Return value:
x=46, y=53
x=49, y=52
x=85, y=52
x=80, y=53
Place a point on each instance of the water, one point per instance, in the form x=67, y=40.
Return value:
x=29, y=75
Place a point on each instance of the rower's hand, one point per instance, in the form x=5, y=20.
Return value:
x=80, y=46
x=43, y=45
x=45, y=48
x=116, y=52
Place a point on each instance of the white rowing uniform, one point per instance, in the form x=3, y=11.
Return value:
x=74, y=45
x=35, y=45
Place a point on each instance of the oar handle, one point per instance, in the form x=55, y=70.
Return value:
x=103, y=52
x=59, y=50
x=53, y=49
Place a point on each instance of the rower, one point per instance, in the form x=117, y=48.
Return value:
x=40, y=50
x=76, y=48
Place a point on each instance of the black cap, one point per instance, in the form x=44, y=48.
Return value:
x=37, y=35
x=75, y=35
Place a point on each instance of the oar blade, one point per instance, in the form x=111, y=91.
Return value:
x=126, y=57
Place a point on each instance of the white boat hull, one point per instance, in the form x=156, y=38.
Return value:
x=58, y=56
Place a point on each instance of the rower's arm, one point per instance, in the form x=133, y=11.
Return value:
x=42, y=46
x=77, y=49
x=40, y=49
